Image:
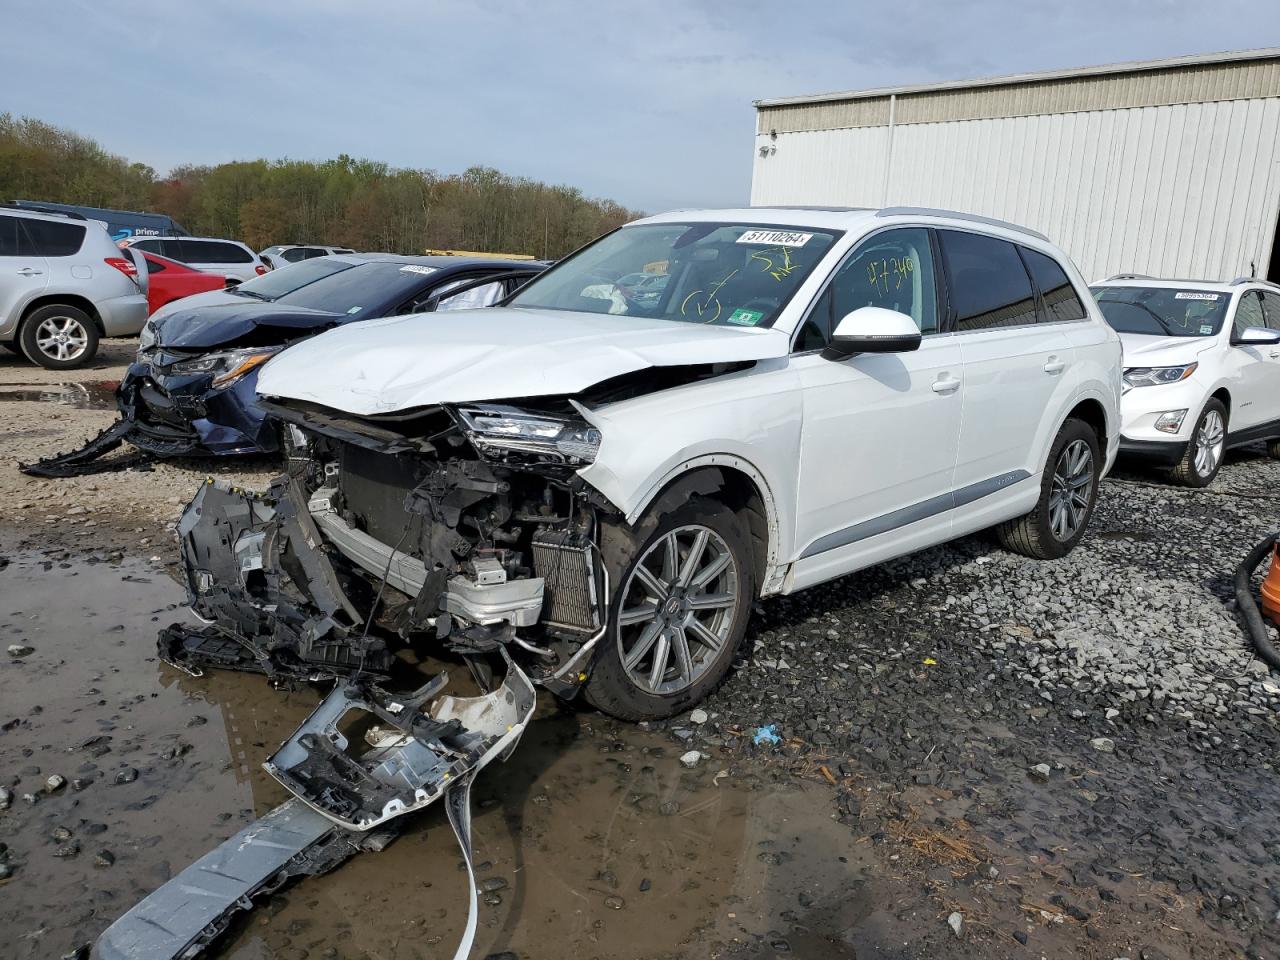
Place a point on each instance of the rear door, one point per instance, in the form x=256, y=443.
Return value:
x=23, y=275
x=1253, y=395
x=1014, y=386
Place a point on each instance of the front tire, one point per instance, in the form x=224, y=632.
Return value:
x=59, y=337
x=1273, y=449
x=683, y=588
x=1203, y=456
x=1068, y=494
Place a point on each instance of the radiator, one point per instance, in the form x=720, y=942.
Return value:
x=565, y=562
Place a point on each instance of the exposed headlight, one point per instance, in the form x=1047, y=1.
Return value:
x=227, y=366
x=147, y=338
x=1154, y=376
x=496, y=429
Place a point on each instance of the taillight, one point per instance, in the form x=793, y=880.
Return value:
x=122, y=264
x=260, y=269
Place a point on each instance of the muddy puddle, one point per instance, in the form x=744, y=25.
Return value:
x=91, y=395
x=592, y=841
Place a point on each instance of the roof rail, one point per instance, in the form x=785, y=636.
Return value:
x=1265, y=283
x=40, y=208
x=956, y=215
x=1128, y=276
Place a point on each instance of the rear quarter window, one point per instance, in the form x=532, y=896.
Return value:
x=212, y=251
x=53, y=239
x=1056, y=292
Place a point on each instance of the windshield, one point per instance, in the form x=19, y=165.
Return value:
x=730, y=274
x=277, y=283
x=354, y=291
x=1162, y=311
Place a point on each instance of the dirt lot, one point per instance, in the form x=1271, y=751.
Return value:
x=1073, y=759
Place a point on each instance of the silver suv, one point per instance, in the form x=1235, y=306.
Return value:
x=63, y=285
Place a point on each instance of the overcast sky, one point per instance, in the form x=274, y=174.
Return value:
x=647, y=102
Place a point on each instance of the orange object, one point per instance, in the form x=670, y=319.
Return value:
x=1271, y=588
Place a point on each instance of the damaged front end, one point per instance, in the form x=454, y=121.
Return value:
x=448, y=530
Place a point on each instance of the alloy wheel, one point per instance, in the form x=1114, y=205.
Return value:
x=1070, y=490
x=678, y=609
x=61, y=338
x=1210, y=439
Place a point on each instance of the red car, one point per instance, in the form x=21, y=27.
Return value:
x=171, y=280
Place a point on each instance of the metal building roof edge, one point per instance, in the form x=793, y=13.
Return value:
x=1133, y=66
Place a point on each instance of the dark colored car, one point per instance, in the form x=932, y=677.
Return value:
x=171, y=280
x=193, y=386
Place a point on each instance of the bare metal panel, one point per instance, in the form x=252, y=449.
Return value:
x=1196, y=83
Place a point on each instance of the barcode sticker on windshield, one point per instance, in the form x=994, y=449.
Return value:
x=417, y=268
x=776, y=238
x=1206, y=329
x=1195, y=296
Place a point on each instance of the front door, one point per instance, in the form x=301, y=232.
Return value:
x=1253, y=393
x=878, y=446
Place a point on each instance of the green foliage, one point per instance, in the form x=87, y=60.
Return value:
x=351, y=202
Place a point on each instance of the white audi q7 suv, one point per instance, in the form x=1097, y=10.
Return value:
x=598, y=478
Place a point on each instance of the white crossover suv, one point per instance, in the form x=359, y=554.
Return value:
x=599, y=483
x=1202, y=369
x=229, y=258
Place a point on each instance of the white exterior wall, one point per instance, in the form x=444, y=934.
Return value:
x=1182, y=190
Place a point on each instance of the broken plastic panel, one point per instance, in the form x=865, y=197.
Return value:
x=422, y=742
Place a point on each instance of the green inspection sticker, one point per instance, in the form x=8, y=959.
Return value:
x=746, y=318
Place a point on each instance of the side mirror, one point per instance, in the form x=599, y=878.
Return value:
x=873, y=330
x=1256, y=337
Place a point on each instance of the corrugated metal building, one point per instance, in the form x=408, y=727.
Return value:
x=1167, y=167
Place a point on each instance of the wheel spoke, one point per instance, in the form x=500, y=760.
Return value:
x=680, y=646
x=694, y=559
x=661, y=651
x=709, y=572
x=640, y=614
x=642, y=646
x=711, y=601
x=670, y=558
x=705, y=635
x=655, y=587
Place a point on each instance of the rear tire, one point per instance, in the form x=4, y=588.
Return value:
x=1273, y=449
x=1203, y=457
x=684, y=620
x=1068, y=494
x=59, y=337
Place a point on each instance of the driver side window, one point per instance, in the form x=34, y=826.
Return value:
x=893, y=270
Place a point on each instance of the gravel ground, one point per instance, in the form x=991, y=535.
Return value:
x=1062, y=759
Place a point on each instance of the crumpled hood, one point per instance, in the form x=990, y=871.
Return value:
x=397, y=363
x=224, y=322
x=1141, y=350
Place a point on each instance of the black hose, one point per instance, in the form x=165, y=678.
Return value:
x=1253, y=621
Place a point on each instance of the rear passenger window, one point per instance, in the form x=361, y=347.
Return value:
x=54, y=239
x=893, y=270
x=989, y=285
x=1056, y=293
x=1271, y=309
x=151, y=246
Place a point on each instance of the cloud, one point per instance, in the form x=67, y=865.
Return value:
x=649, y=104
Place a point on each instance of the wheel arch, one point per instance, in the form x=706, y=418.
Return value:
x=1223, y=395
x=738, y=484
x=1091, y=412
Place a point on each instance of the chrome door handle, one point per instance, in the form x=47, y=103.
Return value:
x=1275, y=354
x=1054, y=365
x=28, y=272
x=946, y=384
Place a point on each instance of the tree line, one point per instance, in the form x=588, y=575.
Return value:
x=346, y=201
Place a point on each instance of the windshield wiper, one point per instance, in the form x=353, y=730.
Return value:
x=1151, y=313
